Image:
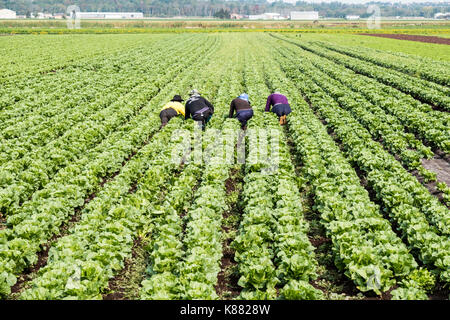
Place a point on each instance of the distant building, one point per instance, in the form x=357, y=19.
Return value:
x=271, y=16
x=256, y=17
x=351, y=17
x=7, y=14
x=109, y=15
x=267, y=16
x=42, y=15
x=304, y=15
x=442, y=15
x=236, y=16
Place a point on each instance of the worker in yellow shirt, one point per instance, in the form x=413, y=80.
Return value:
x=171, y=109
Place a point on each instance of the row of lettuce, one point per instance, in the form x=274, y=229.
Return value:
x=125, y=152
x=418, y=218
x=26, y=57
x=32, y=157
x=186, y=249
x=181, y=207
x=423, y=90
x=427, y=69
x=84, y=271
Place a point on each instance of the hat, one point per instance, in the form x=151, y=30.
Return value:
x=243, y=96
x=194, y=92
x=177, y=98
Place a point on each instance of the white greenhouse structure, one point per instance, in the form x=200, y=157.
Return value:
x=109, y=15
x=304, y=15
x=7, y=14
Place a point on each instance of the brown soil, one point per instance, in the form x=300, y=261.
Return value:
x=230, y=183
x=440, y=167
x=42, y=256
x=2, y=222
x=115, y=285
x=384, y=295
x=29, y=273
x=227, y=281
x=340, y=284
x=440, y=293
x=411, y=37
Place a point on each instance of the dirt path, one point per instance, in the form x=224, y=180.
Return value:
x=440, y=167
x=411, y=37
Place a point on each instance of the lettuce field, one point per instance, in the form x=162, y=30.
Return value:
x=93, y=207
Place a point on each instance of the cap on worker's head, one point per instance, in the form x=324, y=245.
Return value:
x=275, y=90
x=177, y=98
x=243, y=96
x=194, y=92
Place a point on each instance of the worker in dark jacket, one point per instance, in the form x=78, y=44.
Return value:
x=243, y=109
x=198, y=108
x=280, y=106
x=171, y=109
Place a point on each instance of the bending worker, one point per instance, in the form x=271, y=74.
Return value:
x=243, y=109
x=198, y=108
x=280, y=106
x=171, y=109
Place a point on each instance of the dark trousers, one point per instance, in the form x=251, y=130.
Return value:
x=281, y=110
x=203, y=117
x=166, y=115
x=244, y=115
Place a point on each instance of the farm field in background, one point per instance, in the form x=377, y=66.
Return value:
x=427, y=50
x=92, y=207
x=38, y=26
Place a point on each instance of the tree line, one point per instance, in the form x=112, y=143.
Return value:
x=222, y=8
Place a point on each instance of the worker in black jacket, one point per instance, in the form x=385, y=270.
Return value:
x=198, y=108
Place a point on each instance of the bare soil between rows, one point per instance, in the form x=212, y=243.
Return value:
x=440, y=166
x=411, y=37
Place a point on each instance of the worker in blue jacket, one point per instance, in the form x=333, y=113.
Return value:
x=243, y=109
